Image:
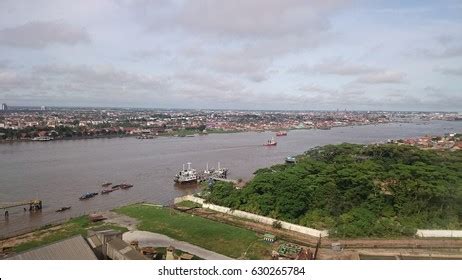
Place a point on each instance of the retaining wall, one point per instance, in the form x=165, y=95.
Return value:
x=439, y=233
x=253, y=217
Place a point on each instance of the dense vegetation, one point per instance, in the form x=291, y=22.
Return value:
x=355, y=190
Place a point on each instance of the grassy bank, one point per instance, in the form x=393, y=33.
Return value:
x=56, y=233
x=218, y=237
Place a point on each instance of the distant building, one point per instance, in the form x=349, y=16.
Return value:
x=4, y=107
x=43, y=108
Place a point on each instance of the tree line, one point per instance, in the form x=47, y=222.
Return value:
x=357, y=190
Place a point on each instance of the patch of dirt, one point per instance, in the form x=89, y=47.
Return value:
x=120, y=220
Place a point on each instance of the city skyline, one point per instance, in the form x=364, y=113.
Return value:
x=265, y=55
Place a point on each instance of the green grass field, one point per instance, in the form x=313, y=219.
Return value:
x=218, y=237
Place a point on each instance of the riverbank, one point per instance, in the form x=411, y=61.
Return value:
x=189, y=133
x=212, y=235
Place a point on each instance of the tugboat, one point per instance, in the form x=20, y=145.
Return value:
x=62, y=209
x=186, y=175
x=281, y=133
x=271, y=142
x=88, y=195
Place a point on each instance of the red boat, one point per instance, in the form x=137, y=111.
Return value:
x=281, y=133
x=271, y=142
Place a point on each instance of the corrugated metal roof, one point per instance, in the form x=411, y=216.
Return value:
x=74, y=248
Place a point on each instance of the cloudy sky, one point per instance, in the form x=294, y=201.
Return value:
x=240, y=54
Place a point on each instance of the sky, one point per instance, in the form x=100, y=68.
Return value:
x=240, y=54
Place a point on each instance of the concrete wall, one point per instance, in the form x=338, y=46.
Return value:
x=439, y=233
x=253, y=217
x=298, y=228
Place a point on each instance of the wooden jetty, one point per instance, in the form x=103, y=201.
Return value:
x=34, y=205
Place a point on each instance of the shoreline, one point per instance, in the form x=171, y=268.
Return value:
x=197, y=133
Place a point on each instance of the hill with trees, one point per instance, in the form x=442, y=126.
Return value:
x=357, y=191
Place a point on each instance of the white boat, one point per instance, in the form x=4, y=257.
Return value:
x=188, y=175
x=42, y=138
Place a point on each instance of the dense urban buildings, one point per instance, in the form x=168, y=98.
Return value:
x=21, y=123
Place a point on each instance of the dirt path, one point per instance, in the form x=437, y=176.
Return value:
x=120, y=220
x=146, y=238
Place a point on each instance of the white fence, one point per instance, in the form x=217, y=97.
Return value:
x=439, y=233
x=253, y=217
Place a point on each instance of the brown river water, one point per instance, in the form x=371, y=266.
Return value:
x=60, y=172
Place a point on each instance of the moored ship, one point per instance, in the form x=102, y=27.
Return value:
x=188, y=175
x=215, y=173
x=281, y=133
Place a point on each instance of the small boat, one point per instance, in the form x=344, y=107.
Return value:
x=62, y=209
x=126, y=186
x=291, y=159
x=270, y=142
x=106, y=191
x=96, y=217
x=281, y=133
x=116, y=187
x=105, y=185
x=42, y=138
x=88, y=196
x=186, y=175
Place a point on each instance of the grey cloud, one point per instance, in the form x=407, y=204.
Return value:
x=336, y=66
x=384, y=77
x=449, y=71
x=446, y=52
x=256, y=18
x=76, y=83
x=39, y=34
x=143, y=54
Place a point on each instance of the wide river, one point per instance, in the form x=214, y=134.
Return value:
x=60, y=172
